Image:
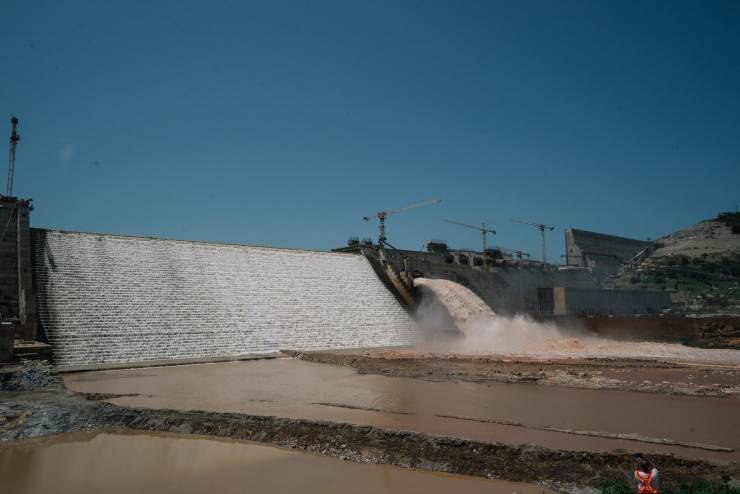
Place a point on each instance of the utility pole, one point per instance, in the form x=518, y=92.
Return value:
x=14, y=138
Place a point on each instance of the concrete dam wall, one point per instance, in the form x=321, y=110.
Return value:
x=105, y=299
x=499, y=287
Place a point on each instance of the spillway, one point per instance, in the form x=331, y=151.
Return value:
x=106, y=299
x=486, y=333
x=464, y=307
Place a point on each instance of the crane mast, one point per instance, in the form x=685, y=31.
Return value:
x=14, y=138
x=541, y=227
x=482, y=229
x=382, y=215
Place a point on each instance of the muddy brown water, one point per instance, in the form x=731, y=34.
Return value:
x=178, y=464
x=298, y=389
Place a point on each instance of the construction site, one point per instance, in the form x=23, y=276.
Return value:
x=382, y=368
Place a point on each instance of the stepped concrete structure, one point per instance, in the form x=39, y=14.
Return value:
x=602, y=254
x=107, y=299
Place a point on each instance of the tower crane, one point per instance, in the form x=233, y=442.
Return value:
x=541, y=227
x=482, y=229
x=382, y=215
x=14, y=138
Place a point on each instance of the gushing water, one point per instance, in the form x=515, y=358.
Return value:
x=464, y=307
x=449, y=305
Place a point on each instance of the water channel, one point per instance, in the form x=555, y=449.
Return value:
x=298, y=389
x=82, y=463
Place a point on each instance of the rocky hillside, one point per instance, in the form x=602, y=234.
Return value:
x=717, y=238
x=699, y=265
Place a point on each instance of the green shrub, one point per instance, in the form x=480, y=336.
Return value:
x=730, y=219
x=704, y=487
x=616, y=485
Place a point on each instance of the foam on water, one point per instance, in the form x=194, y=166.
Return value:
x=484, y=332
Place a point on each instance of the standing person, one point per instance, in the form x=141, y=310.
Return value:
x=647, y=476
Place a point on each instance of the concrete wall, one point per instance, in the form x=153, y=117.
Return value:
x=6, y=342
x=640, y=328
x=110, y=299
x=507, y=289
x=16, y=297
x=706, y=332
x=594, y=301
x=601, y=253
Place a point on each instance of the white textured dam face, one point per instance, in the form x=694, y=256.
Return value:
x=111, y=299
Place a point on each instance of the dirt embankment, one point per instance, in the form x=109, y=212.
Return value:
x=717, y=332
x=619, y=374
x=51, y=411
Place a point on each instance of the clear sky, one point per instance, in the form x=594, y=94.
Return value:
x=283, y=123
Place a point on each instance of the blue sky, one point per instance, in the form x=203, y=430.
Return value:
x=283, y=123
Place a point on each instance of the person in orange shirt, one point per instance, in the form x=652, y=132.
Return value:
x=647, y=476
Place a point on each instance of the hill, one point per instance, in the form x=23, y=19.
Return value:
x=699, y=265
x=717, y=238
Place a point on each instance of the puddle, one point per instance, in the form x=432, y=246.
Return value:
x=82, y=463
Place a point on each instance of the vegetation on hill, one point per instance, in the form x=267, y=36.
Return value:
x=701, y=266
x=707, y=282
x=730, y=219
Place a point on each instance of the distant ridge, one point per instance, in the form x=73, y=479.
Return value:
x=717, y=237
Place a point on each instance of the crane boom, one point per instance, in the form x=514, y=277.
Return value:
x=382, y=215
x=541, y=227
x=479, y=228
x=413, y=206
x=482, y=229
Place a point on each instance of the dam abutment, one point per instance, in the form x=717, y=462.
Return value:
x=17, y=299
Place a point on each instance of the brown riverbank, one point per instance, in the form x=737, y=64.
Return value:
x=641, y=375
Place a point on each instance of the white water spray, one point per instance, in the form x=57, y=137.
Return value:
x=465, y=308
x=449, y=306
